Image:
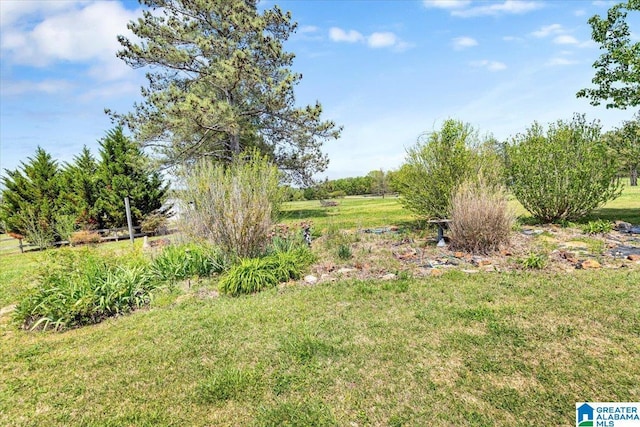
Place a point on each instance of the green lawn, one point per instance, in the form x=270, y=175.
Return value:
x=481, y=349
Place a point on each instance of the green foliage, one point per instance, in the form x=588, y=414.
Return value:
x=533, y=261
x=220, y=83
x=79, y=288
x=123, y=171
x=233, y=205
x=436, y=166
x=80, y=181
x=618, y=68
x=597, y=226
x=179, y=262
x=380, y=182
x=30, y=199
x=625, y=146
x=563, y=173
x=252, y=275
x=154, y=223
x=344, y=252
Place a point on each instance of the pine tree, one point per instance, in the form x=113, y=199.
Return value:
x=123, y=172
x=220, y=83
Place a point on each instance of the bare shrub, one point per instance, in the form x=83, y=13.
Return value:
x=84, y=237
x=481, y=219
x=232, y=205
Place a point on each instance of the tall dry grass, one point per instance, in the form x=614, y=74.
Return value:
x=481, y=219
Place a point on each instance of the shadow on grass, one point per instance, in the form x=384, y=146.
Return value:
x=304, y=214
x=631, y=215
x=616, y=214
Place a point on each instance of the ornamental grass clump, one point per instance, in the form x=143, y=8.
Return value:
x=181, y=262
x=81, y=287
x=481, y=219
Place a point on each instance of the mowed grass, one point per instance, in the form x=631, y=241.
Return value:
x=484, y=349
x=370, y=212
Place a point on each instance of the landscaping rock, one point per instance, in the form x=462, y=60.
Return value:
x=389, y=276
x=634, y=257
x=589, y=264
x=310, y=279
x=436, y=272
x=345, y=270
x=469, y=271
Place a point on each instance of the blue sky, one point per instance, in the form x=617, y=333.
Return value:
x=385, y=70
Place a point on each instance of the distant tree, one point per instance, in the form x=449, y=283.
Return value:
x=379, y=183
x=625, y=143
x=123, y=170
x=220, y=82
x=618, y=68
x=30, y=198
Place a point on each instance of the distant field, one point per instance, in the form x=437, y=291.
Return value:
x=366, y=212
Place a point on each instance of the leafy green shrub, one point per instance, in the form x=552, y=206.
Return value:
x=563, y=173
x=597, y=226
x=336, y=194
x=435, y=167
x=184, y=261
x=256, y=274
x=233, y=205
x=481, y=219
x=154, y=223
x=83, y=288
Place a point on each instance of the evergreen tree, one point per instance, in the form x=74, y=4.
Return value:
x=31, y=197
x=219, y=83
x=81, y=178
x=123, y=171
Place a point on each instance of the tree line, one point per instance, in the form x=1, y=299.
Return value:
x=45, y=201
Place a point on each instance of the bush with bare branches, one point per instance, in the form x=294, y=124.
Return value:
x=233, y=205
x=481, y=220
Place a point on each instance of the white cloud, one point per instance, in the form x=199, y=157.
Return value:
x=463, y=42
x=305, y=29
x=565, y=39
x=548, y=30
x=85, y=34
x=489, y=65
x=375, y=40
x=446, y=4
x=561, y=61
x=508, y=7
x=386, y=39
x=49, y=87
x=339, y=35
